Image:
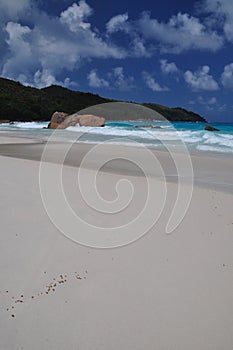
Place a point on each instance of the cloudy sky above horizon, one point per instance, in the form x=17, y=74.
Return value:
x=174, y=53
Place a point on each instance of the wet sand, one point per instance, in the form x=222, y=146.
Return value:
x=209, y=170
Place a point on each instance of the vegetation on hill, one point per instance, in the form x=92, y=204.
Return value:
x=25, y=103
x=175, y=114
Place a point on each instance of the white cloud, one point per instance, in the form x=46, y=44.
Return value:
x=54, y=44
x=209, y=103
x=45, y=78
x=50, y=45
x=227, y=76
x=168, y=68
x=115, y=79
x=138, y=48
x=117, y=23
x=181, y=33
x=20, y=51
x=120, y=81
x=95, y=81
x=212, y=101
x=11, y=9
x=16, y=32
x=75, y=14
x=152, y=84
x=222, y=108
x=201, y=79
x=223, y=11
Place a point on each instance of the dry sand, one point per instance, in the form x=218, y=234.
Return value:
x=160, y=292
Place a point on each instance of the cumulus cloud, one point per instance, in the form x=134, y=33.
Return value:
x=74, y=16
x=152, y=83
x=227, y=76
x=139, y=49
x=222, y=10
x=212, y=101
x=54, y=44
x=209, y=103
x=95, y=81
x=168, y=68
x=201, y=79
x=45, y=78
x=121, y=81
x=48, y=46
x=137, y=45
x=115, y=79
x=117, y=23
x=181, y=33
x=11, y=9
x=20, y=51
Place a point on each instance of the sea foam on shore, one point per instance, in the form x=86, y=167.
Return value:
x=192, y=134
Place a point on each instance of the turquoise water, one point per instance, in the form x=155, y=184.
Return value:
x=192, y=135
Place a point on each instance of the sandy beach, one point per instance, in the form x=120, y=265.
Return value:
x=163, y=291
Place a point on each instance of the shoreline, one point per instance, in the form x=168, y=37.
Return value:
x=210, y=170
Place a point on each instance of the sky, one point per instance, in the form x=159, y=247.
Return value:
x=175, y=53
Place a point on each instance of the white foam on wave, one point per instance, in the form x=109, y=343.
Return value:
x=221, y=140
x=190, y=136
x=162, y=135
x=125, y=143
x=199, y=139
x=112, y=131
x=30, y=125
x=214, y=149
x=142, y=133
x=196, y=138
x=227, y=136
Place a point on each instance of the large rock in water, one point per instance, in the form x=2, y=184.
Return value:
x=210, y=128
x=70, y=120
x=58, y=117
x=53, y=125
x=61, y=120
x=91, y=120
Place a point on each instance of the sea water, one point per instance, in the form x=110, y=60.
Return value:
x=193, y=135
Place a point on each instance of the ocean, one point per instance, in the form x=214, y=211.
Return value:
x=192, y=135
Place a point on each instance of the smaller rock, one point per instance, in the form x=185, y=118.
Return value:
x=4, y=121
x=211, y=128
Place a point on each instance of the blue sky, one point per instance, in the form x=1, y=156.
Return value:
x=176, y=53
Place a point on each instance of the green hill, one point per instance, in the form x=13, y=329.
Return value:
x=24, y=103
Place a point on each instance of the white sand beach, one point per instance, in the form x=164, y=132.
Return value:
x=160, y=292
